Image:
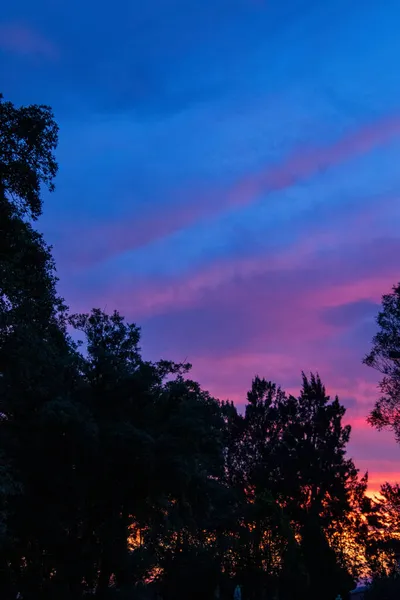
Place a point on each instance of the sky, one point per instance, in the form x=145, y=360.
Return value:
x=229, y=180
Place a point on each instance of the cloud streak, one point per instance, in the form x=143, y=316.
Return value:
x=102, y=242
x=323, y=281
x=20, y=39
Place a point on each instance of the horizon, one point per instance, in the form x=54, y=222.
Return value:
x=228, y=181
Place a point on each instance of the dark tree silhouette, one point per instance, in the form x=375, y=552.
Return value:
x=385, y=358
x=28, y=138
x=290, y=453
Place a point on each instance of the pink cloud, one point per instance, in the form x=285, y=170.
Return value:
x=230, y=374
x=265, y=319
x=340, y=293
x=377, y=478
x=360, y=271
x=106, y=240
x=21, y=39
x=379, y=472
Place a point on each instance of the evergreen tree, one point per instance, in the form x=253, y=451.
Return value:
x=293, y=451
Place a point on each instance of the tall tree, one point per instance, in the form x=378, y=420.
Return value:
x=157, y=460
x=30, y=309
x=327, y=481
x=36, y=357
x=294, y=451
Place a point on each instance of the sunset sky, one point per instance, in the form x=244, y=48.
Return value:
x=229, y=180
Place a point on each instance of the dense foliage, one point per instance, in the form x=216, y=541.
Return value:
x=122, y=476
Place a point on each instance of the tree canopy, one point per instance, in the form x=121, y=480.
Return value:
x=28, y=139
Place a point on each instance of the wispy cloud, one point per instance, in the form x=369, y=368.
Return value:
x=321, y=277
x=21, y=39
x=105, y=240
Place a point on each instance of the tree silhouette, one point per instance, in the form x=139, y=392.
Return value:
x=28, y=139
x=384, y=357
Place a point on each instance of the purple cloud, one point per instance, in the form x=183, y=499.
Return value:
x=96, y=243
x=21, y=39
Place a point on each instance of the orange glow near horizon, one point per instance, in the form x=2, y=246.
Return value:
x=377, y=479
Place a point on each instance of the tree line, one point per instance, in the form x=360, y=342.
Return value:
x=121, y=477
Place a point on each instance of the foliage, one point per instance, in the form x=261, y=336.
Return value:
x=288, y=458
x=28, y=138
x=383, y=358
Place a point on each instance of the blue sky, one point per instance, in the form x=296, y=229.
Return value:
x=228, y=179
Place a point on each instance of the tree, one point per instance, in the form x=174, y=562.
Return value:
x=28, y=139
x=157, y=459
x=32, y=324
x=36, y=356
x=189, y=472
x=293, y=451
x=383, y=543
x=327, y=482
x=384, y=357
